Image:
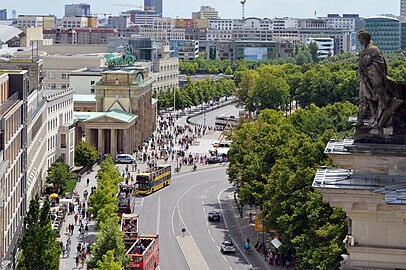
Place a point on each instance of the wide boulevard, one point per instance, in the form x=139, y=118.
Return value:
x=185, y=204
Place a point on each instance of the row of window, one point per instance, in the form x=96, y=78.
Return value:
x=60, y=105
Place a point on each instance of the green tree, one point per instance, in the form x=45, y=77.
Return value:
x=314, y=51
x=85, y=154
x=58, y=173
x=110, y=239
x=40, y=250
x=228, y=71
x=108, y=262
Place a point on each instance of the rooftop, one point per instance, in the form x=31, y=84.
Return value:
x=392, y=186
x=114, y=114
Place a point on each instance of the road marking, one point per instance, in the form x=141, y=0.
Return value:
x=221, y=209
x=212, y=238
x=231, y=268
x=224, y=257
x=202, y=202
x=208, y=231
x=218, y=248
x=158, y=215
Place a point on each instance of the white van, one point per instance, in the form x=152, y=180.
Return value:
x=125, y=158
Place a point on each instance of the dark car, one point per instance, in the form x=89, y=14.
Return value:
x=214, y=160
x=213, y=216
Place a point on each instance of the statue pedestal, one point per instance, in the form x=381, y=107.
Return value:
x=380, y=135
x=371, y=189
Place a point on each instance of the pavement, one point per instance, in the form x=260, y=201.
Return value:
x=201, y=147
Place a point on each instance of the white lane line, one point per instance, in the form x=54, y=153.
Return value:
x=202, y=202
x=212, y=238
x=224, y=257
x=221, y=209
x=142, y=201
x=231, y=268
x=208, y=231
x=158, y=215
x=218, y=248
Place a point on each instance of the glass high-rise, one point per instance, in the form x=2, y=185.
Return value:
x=385, y=32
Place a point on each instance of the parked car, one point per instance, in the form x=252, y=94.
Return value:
x=214, y=160
x=227, y=246
x=213, y=216
x=125, y=158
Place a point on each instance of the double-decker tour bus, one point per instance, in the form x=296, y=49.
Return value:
x=126, y=199
x=129, y=227
x=144, y=253
x=153, y=179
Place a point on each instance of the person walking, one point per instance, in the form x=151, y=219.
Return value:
x=77, y=261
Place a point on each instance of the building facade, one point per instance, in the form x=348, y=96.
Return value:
x=60, y=126
x=77, y=10
x=125, y=112
x=155, y=5
x=13, y=162
x=30, y=21
x=3, y=14
x=325, y=46
x=385, y=32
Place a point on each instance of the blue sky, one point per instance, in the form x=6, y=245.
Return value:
x=226, y=8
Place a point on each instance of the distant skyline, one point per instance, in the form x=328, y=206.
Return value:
x=226, y=8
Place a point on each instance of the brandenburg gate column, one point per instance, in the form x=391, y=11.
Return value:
x=100, y=141
x=113, y=143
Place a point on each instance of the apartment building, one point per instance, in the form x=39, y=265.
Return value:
x=60, y=126
x=141, y=18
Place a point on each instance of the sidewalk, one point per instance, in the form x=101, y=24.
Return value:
x=68, y=261
x=247, y=228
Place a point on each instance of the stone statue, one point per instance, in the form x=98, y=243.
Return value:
x=381, y=98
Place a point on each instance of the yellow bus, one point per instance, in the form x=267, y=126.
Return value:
x=153, y=179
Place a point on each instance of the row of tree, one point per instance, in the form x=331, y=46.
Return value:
x=195, y=93
x=40, y=250
x=108, y=253
x=273, y=161
x=277, y=86
x=305, y=55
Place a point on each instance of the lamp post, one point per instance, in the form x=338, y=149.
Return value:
x=174, y=102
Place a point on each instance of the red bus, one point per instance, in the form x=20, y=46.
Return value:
x=126, y=199
x=129, y=227
x=144, y=253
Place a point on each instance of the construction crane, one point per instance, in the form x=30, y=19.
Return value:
x=146, y=8
x=243, y=8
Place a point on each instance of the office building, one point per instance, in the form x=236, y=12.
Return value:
x=325, y=46
x=185, y=50
x=205, y=12
x=60, y=126
x=403, y=8
x=77, y=10
x=155, y=5
x=74, y=22
x=30, y=21
x=141, y=18
x=3, y=14
x=13, y=162
x=385, y=32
